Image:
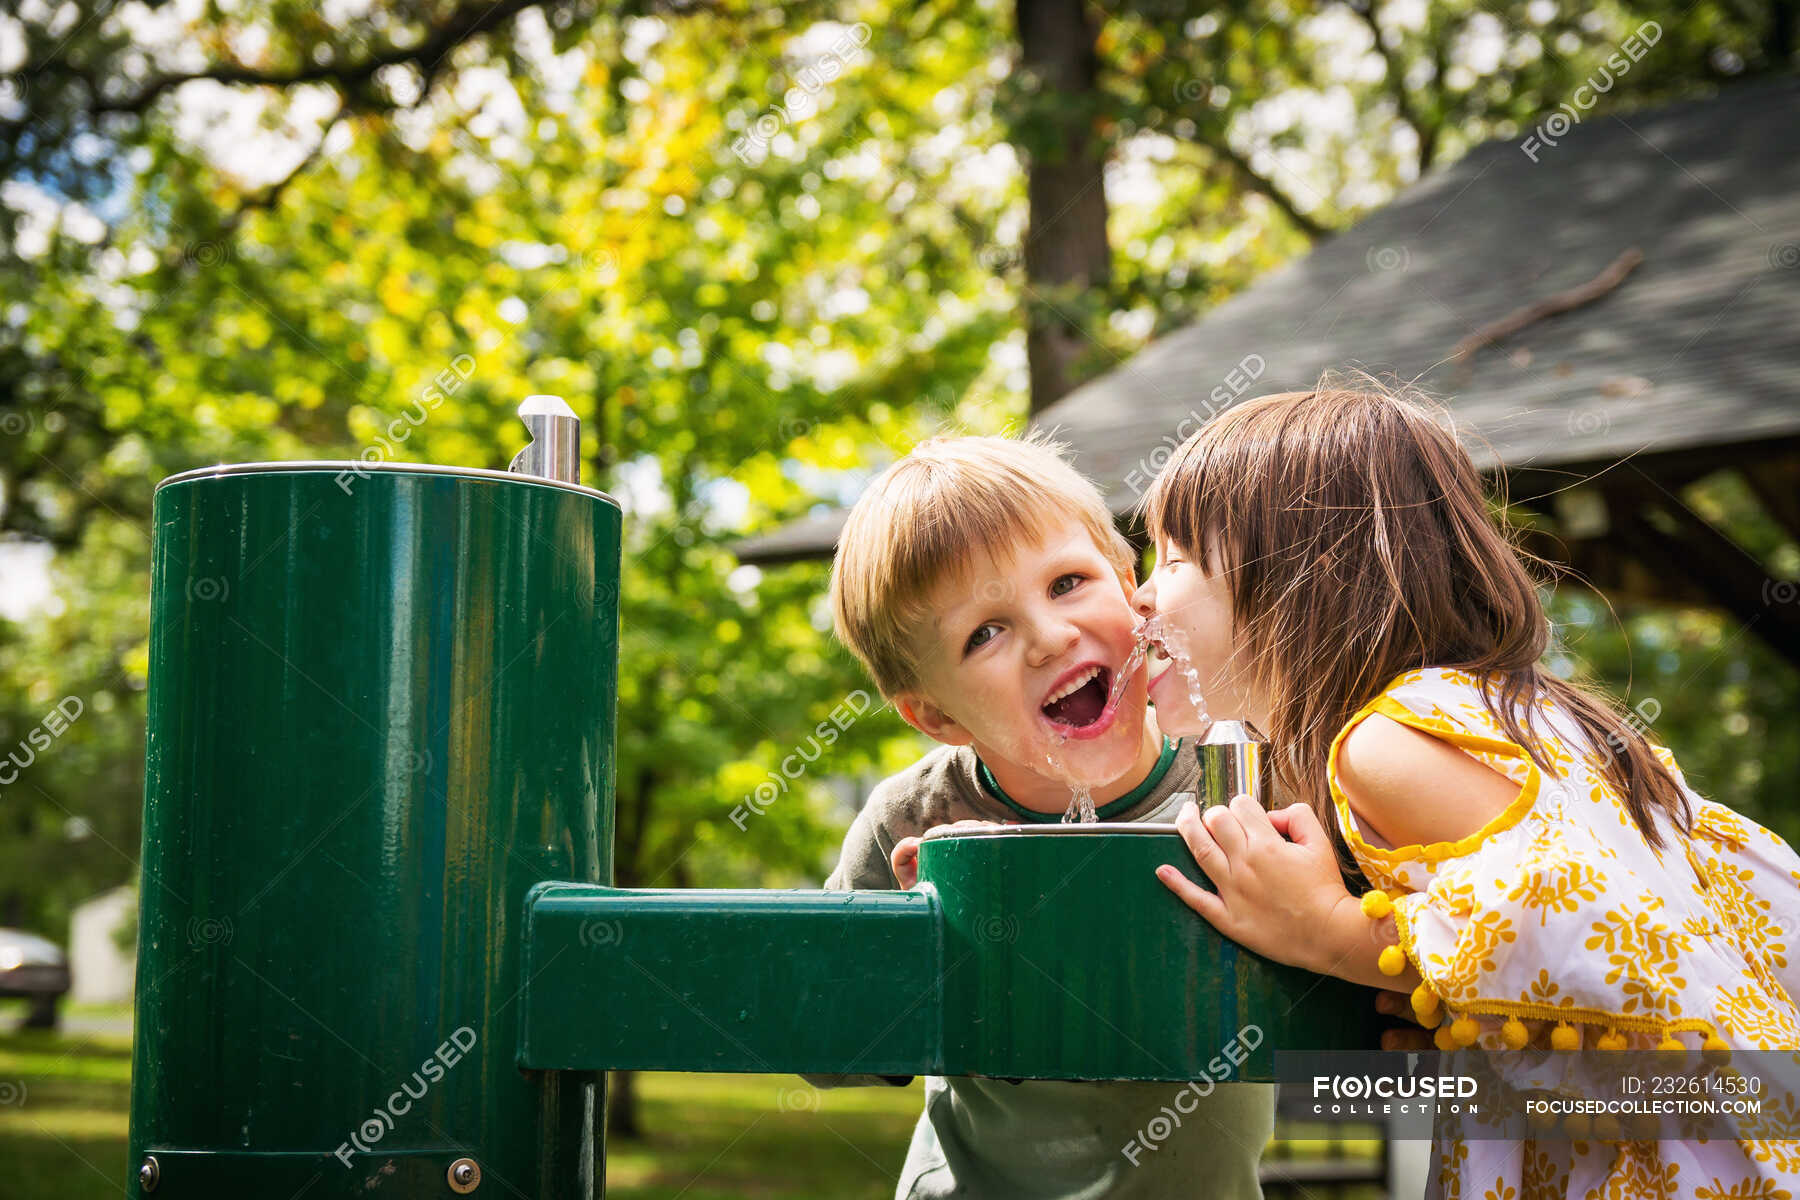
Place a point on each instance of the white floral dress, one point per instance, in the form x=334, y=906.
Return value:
x=1560, y=918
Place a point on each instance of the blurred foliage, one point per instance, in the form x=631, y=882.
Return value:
x=1700, y=681
x=262, y=230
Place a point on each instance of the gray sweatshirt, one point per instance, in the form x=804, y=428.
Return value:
x=1047, y=1139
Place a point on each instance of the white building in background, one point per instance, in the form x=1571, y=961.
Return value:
x=102, y=972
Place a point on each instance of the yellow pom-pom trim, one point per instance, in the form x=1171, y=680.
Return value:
x=1607, y=1128
x=1392, y=961
x=1464, y=1031
x=1376, y=905
x=1542, y=1120
x=1670, y=1042
x=1514, y=1033
x=1565, y=1037
x=1424, y=1002
x=1612, y=1039
x=1715, y=1050
x=1441, y=1039
x=1576, y=1125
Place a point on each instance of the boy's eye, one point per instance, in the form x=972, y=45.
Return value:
x=1064, y=584
x=980, y=637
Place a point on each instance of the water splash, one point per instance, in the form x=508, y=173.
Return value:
x=1174, y=642
x=1123, y=676
x=1081, y=796
x=1081, y=807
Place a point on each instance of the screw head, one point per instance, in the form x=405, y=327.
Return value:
x=150, y=1173
x=464, y=1176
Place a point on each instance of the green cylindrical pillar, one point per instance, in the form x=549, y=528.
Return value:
x=381, y=708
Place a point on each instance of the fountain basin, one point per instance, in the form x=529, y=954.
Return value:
x=1026, y=952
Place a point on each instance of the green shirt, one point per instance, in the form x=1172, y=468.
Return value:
x=987, y=1139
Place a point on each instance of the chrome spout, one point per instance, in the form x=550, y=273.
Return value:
x=555, y=449
x=1231, y=764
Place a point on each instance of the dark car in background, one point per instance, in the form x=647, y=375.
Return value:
x=34, y=968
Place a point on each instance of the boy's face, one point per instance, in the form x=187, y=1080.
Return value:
x=1019, y=659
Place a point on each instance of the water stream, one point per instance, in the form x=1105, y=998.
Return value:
x=1174, y=641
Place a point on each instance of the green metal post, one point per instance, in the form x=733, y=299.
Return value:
x=381, y=709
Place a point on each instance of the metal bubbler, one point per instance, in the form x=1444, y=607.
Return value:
x=1231, y=764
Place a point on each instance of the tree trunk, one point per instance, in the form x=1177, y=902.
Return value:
x=622, y=1106
x=623, y=1120
x=1782, y=40
x=1065, y=244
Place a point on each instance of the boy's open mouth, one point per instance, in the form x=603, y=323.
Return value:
x=1081, y=699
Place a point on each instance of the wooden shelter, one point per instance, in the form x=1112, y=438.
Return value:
x=1609, y=318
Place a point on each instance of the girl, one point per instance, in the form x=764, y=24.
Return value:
x=1542, y=875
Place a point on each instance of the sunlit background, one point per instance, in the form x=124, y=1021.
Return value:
x=761, y=250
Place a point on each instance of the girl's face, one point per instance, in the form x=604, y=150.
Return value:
x=1193, y=630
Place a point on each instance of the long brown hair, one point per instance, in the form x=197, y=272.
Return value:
x=1360, y=546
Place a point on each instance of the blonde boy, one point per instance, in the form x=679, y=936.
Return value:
x=981, y=582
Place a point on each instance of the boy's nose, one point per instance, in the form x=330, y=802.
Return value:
x=1053, y=638
x=1143, y=601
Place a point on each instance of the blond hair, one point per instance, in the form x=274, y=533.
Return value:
x=925, y=519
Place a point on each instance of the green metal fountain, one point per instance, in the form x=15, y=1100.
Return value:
x=378, y=949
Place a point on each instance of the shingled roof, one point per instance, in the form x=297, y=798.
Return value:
x=1682, y=226
x=1698, y=346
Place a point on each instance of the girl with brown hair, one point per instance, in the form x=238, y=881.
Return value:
x=1539, y=873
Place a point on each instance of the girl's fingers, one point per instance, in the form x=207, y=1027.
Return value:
x=1254, y=821
x=1193, y=895
x=1226, y=830
x=1283, y=820
x=1303, y=826
x=1200, y=843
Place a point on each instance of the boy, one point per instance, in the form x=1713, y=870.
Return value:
x=981, y=582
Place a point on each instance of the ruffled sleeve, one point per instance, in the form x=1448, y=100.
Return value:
x=1556, y=923
x=1752, y=880
x=1411, y=868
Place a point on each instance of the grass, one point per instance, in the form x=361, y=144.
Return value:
x=63, y=1102
x=64, y=1099
x=769, y=1137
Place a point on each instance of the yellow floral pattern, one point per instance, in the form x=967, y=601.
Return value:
x=1559, y=910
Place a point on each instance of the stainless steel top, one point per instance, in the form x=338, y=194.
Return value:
x=359, y=469
x=1231, y=733
x=554, y=451
x=1072, y=829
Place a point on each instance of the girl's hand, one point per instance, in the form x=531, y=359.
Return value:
x=1280, y=896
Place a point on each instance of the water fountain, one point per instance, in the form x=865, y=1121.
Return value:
x=378, y=949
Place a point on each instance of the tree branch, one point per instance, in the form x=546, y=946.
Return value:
x=1396, y=81
x=264, y=199
x=468, y=21
x=1264, y=186
x=1550, y=306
